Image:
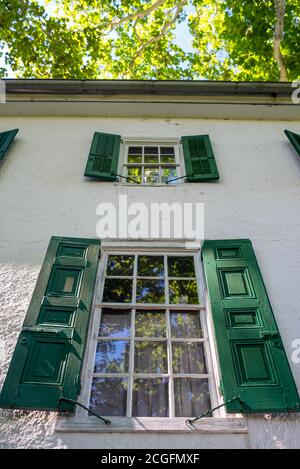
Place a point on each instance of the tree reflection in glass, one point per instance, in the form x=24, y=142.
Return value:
x=168, y=174
x=183, y=292
x=179, y=266
x=150, y=291
x=117, y=290
x=150, y=324
x=191, y=397
x=185, y=324
x=150, y=266
x=115, y=323
x=109, y=396
x=167, y=155
x=120, y=265
x=112, y=357
x=150, y=397
x=135, y=154
x=150, y=357
x=134, y=174
x=151, y=175
x=188, y=357
x=167, y=341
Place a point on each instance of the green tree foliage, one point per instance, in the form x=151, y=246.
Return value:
x=234, y=40
x=136, y=39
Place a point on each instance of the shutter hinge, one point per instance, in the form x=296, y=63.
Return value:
x=221, y=388
x=181, y=177
x=72, y=401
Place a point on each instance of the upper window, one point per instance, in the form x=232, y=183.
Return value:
x=151, y=164
x=151, y=355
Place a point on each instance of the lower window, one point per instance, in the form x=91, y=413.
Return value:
x=152, y=349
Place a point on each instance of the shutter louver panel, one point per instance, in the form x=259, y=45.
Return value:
x=253, y=363
x=294, y=139
x=47, y=360
x=6, y=139
x=103, y=157
x=200, y=164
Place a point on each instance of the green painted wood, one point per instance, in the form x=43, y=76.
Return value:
x=294, y=139
x=47, y=360
x=6, y=139
x=200, y=163
x=103, y=158
x=253, y=363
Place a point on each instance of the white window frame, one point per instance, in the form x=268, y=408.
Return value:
x=98, y=305
x=179, y=160
x=219, y=423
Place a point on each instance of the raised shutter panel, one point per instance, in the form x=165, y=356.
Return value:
x=5, y=140
x=103, y=158
x=47, y=360
x=294, y=139
x=253, y=363
x=200, y=163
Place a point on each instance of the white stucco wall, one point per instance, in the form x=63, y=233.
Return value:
x=43, y=193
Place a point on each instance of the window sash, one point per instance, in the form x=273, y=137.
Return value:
x=205, y=340
x=131, y=375
x=178, y=163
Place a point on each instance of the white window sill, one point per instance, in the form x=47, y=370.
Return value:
x=150, y=425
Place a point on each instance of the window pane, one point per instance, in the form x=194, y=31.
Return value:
x=135, y=150
x=151, y=151
x=167, y=155
x=188, y=358
x=167, y=150
x=117, y=290
x=151, y=175
x=112, y=357
x=167, y=159
x=167, y=174
x=185, y=324
x=115, y=323
x=109, y=396
x=191, y=397
x=181, y=266
x=150, y=324
x=153, y=159
x=135, y=174
x=150, y=398
x=150, y=291
x=150, y=266
x=135, y=159
x=120, y=265
x=150, y=357
x=183, y=292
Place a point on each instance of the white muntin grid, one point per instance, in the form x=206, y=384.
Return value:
x=176, y=165
x=88, y=372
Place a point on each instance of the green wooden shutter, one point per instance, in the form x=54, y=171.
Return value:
x=103, y=158
x=5, y=140
x=294, y=139
x=47, y=360
x=253, y=363
x=200, y=163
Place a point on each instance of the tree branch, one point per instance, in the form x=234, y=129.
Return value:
x=280, y=8
x=137, y=15
x=166, y=27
